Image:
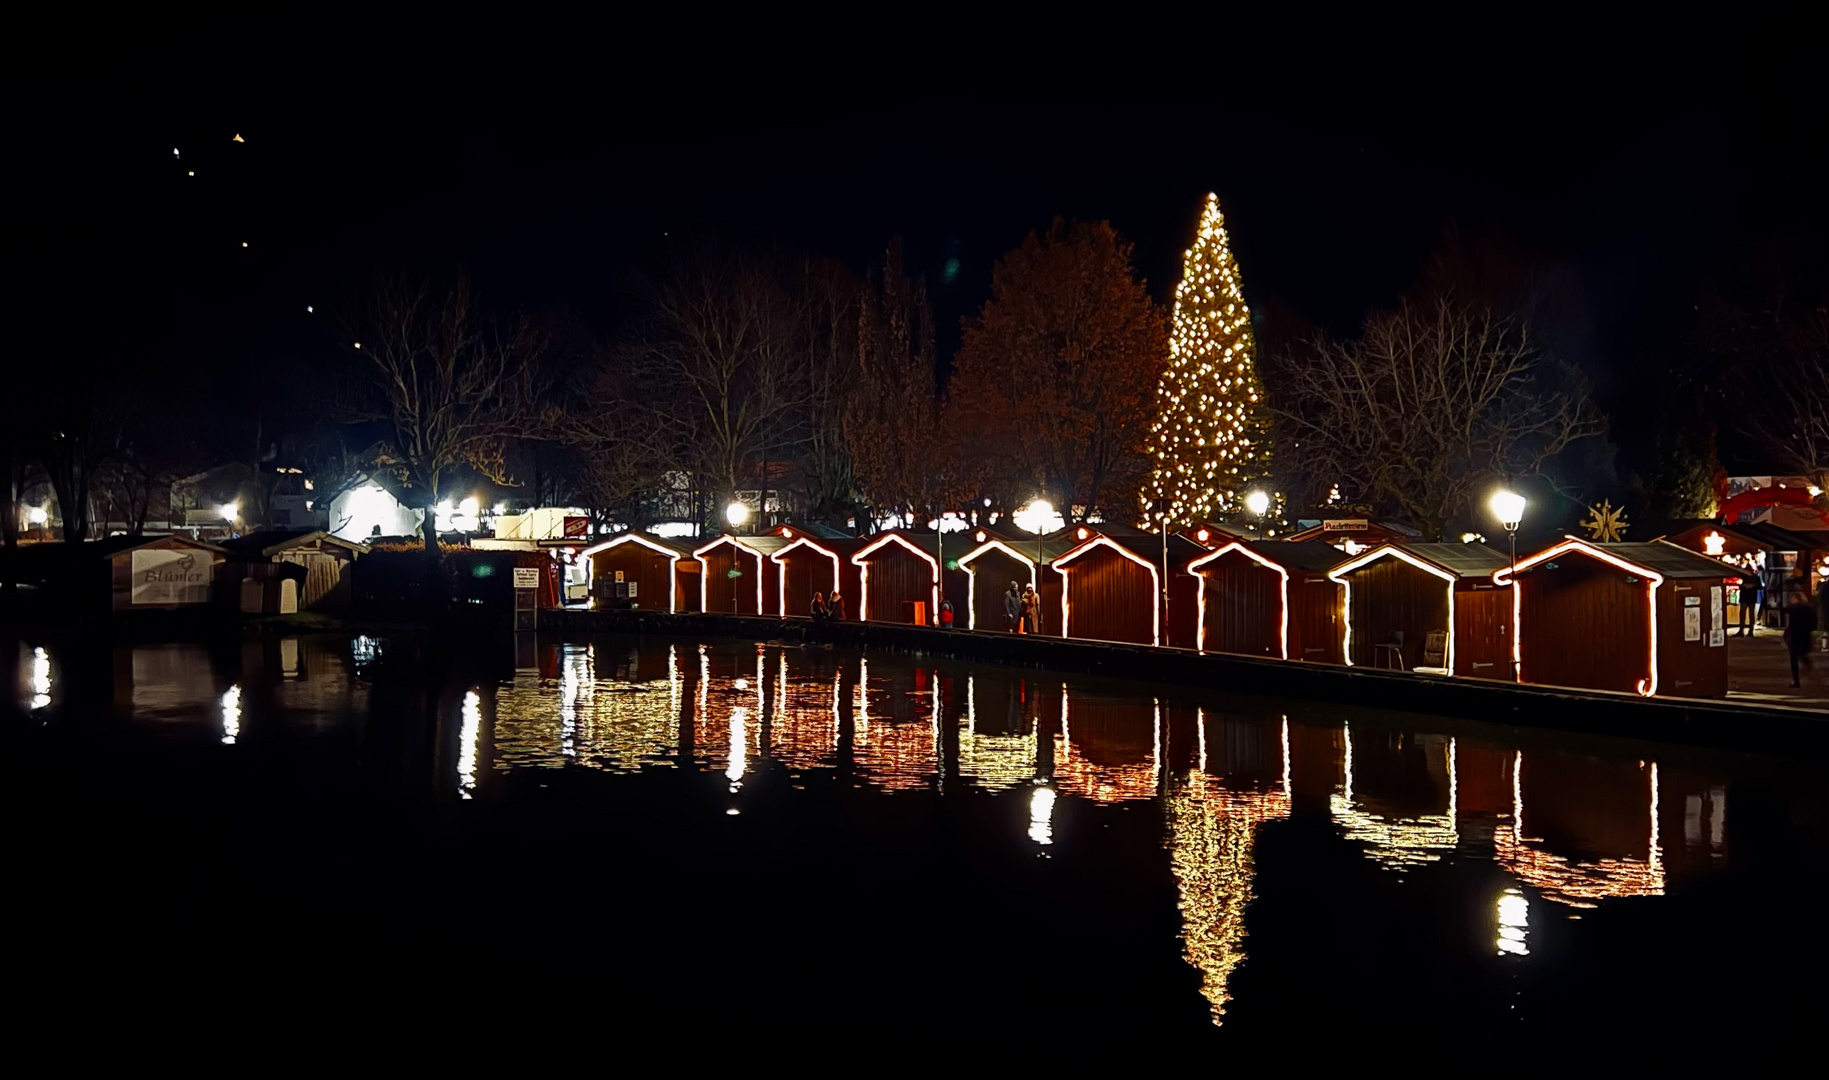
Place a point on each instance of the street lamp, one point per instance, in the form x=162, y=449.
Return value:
x=1259, y=504
x=37, y=515
x=736, y=513
x=1037, y=515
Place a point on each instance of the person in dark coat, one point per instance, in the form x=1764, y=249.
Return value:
x=819, y=611
x=946, y=614
x=1012, y=609
x=1031, y=611
x=1752, y=586
x=835, y=607
x=1800, y=624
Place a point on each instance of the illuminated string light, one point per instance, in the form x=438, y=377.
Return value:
x=779, y=557
x=1155, y=593
x=1208, y=440
x=1648, y=685
x=673, y=558
x=1200, y=640
x=971, y=574
x=741, y=546
x=1338, y=575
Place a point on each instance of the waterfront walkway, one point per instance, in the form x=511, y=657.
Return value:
x=1759, y=672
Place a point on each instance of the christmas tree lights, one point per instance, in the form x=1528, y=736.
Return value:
x=1208, y=441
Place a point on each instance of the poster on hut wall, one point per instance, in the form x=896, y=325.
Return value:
x=1692, y=624
x=171, y=577
x=1717, y=618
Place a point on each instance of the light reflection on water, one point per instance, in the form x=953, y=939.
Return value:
x=1560, y=831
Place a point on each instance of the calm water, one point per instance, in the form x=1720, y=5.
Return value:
x=730, y=845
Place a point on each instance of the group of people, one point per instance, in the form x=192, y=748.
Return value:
x=1022, y=610
x=824, y=609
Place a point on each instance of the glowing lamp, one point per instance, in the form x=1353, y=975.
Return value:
x=787, y=534
x=469, y=506
x=1508, y=507
x=1714, y=544
x=736, y=513
x=1258, y=503
x=37, y=516
x=981, y=536
x=1082, y=534
x=1202, y=535
x=230, y=511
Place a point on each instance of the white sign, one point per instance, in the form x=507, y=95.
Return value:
x=1692, y=624
x=167, y=576
x=526, y=577
x=632, y=594
x=1346, y=525
x=1717, y=623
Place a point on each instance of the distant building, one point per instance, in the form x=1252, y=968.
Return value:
x=376, y=505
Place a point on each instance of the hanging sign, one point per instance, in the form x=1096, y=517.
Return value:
x=526, y=577
x=165, y=576
x=1692, y=624
x=1346, y=525
x=1717, y=618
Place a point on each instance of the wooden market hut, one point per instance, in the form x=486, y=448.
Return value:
x=1396, y=595
x=1270, y=598
x=899, y=578
x=1784, y=560
x=810, y=563
x=638, y=570
x=722, y=593
x=1647, y=618
x=1112, y=589
x=993, y=559
x=119, y=574
x=328, y=562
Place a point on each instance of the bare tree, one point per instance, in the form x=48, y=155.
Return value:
x=1781, y=386
x=1429, y=407
x=452, y=390
x=721, y=359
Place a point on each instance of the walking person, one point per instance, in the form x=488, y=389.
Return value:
x=1800, y=626
x=1012, y=610
x=1031, y=611
x=1752, y=589
x=819, y=611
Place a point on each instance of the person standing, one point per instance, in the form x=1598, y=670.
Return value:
x=1031, y=611
x=1800, y=627
x=1752, y=587
x=835, y=608
x=946, y=614
x=1012, y=610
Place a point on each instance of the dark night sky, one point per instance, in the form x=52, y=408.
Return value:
x=1641, y=174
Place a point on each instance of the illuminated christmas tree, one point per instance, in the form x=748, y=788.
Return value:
x=1208, y=441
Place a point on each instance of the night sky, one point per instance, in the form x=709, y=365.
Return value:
x=1640, y=176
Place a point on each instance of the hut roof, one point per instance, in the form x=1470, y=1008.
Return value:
x=1374, y=531
x=1149, y=546
x=1458, y=560
x=645, y=539
x=1660, y=557
x=269, y=542
x=818, y=530
x=1764, y=535
x=1311, y=555
x=767, y=545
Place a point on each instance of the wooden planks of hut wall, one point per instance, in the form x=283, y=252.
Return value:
x=646, y=568
x=1688, y=668
x=1244, y=607
x=1110, y=598
x=1314, y=618
x=1585, y=626
x=1391, y=595
x=896, y=575
x=1482, y=631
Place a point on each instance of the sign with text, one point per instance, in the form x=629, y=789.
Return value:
x=526, y=577
x=164, y=576
x=1346, y=525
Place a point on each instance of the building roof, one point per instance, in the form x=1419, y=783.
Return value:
x=1461, y=560
x=1148, y=546
x=645, y=539
x=1660, y=557
x=818, y=530
x=1311, y=555
x=1373, y=531
x=1770, y=537
x=269, y=542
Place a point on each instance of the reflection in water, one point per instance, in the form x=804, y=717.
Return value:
x=1393, y=839
x=231, y=714
x=41, y=678
x=466, y=743
x=996, y=760
x=1105, y=765
x=617, y=724
x=894, y=747
x=1212, y=826
x=1514, y=923
x=1041, y=815
x=1576, y=881
x=363, y=651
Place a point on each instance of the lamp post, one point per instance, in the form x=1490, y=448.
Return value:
x=736, y=514
x=1259, y=504
x=230, y=512
x=1508, y=506
x=1038, y=513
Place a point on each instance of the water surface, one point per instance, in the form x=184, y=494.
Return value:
x=667, y=839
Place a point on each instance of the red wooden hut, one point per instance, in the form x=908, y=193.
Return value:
x=1784, y=560
x=809, y=564
x=752, y=590
x=993, y=560
x=899, y=578
x=1648, y=618
x=1396, y=595
x=1270, y=598
x=638, y=570
x=1112, y=589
